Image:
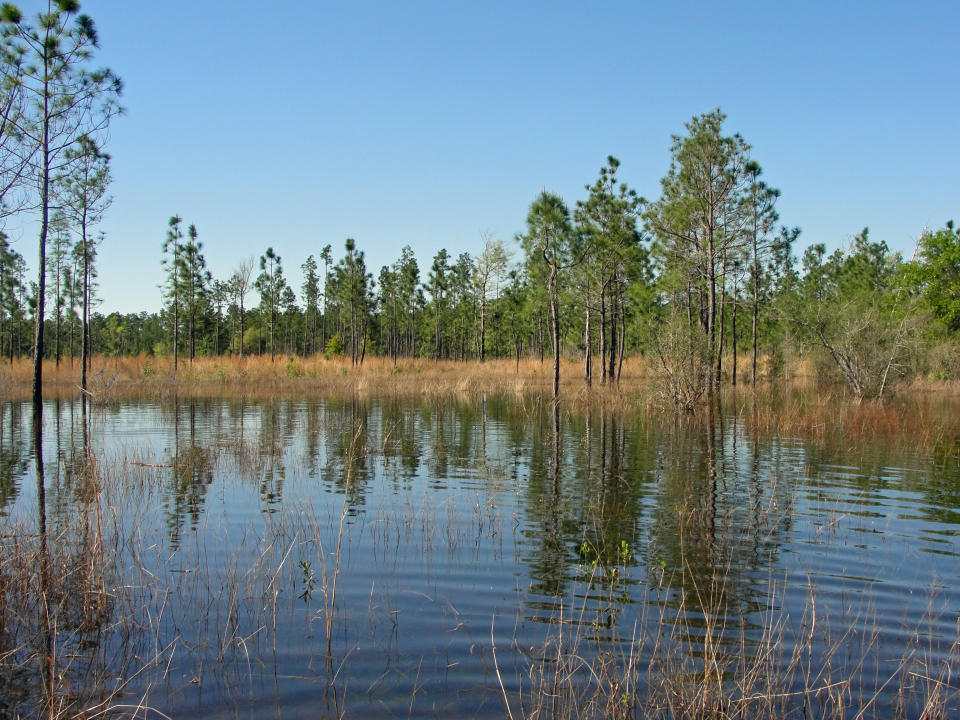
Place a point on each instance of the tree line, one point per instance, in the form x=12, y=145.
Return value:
x=703, y=281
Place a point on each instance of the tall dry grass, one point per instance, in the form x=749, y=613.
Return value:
x=811, y=666
x=919, y=422
x=258, y=376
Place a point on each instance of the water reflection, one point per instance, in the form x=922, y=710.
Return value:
x=55, y=611
x=456, y=509
x=13, y=453
x=191, y=474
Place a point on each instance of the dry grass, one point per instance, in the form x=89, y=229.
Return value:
x=916, y=421
x=921, y=416
x=257, y=376
x=808, y=666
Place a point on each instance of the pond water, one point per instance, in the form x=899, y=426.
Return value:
x=468, y=557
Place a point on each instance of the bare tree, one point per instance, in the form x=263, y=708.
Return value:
x=489, y=268
x=240, y=284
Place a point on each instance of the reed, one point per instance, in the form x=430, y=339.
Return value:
x=257, y=376
x=138, y=605
x=683, y=659
x=648, y=673
x=914, y=421
x=162, y=611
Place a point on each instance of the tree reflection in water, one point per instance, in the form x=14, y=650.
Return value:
x=203, y=554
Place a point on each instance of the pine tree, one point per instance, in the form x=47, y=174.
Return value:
x=63, y=101
x=549, y=239
x=270, y=284
x=173, y=285
x=83, y=189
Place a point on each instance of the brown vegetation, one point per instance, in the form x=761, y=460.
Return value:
x=257, y=376
x=806, y=405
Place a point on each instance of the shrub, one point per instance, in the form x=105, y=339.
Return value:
x=334, y=347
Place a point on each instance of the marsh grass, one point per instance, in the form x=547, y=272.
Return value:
x=918, y=422
x=692, y=658
x=259, y=377
x=805, y=406
x=133, y=615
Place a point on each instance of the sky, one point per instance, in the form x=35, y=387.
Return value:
x=295, y=125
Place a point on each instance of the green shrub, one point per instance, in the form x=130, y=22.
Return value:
x=334, y=347
x=292, y=368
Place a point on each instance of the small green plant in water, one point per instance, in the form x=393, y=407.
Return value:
x=307, y=572
x=586, y=551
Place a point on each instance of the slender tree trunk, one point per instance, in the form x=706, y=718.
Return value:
x=363, y=343
x=603, y=334
x=72, y=344
x=85, y=329
x=437, y=337
x=540, y=333
x=273, y=330
x=733, y=339
x=241, y=326
x=554, y=331
x=621, y=346
x=42, y=254
x=712, y=308
x=483, y=328
x=588, y=350
x=176, y=331
x=756, y=286
x=611, y=367
x=57, y=300
x=721, y=335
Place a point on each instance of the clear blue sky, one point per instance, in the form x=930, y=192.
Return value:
x=298, y=124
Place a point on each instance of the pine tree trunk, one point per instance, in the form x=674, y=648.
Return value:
x=733, y=340
x=721, y=334
x=483, y=330
x=611, y=367
x=85, y=329
x=588, y=351
x=603, y=334
x=554, y=331
x=42, y=259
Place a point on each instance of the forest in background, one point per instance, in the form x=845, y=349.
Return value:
x=702, y=281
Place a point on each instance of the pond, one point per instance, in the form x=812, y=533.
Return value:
x=483, y=557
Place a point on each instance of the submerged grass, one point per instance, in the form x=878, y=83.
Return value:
x=814, y=666
x=921, y=415
x=100, y=616
x=919, y=422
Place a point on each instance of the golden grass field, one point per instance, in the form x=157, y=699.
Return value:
x=921, y=415
x=259, y=376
